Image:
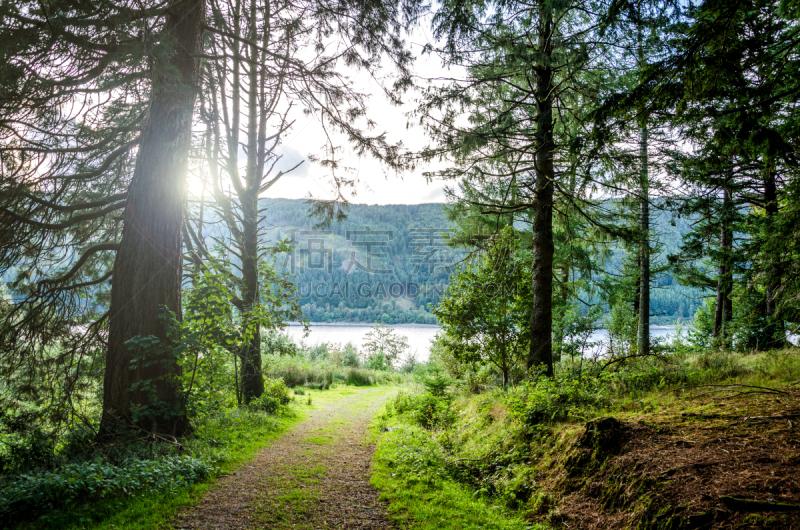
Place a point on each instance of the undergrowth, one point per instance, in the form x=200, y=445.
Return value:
x=321, y=366
x=139, y=480
x=446, y=452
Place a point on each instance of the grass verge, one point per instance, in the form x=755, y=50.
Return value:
x=230, y=440
x=421, y=496
x=706, y=441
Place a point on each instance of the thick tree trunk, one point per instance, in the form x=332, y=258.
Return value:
x=139, y=383
x=644, y=246
x=541, y=345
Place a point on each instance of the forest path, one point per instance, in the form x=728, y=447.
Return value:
x=315, y=476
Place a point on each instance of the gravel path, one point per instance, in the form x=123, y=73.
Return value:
x=315, y=476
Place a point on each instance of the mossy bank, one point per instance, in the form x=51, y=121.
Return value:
x=694, y=441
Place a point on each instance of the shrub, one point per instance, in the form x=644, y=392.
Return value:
x=350, y=356
x=278, y=344
x=424, y=409
x=357, y=377
x=545, y=400
x=377, y=362
x=436, y=385
x=275, y=397
x=97, y=480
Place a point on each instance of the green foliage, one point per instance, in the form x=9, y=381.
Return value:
x=562, y=398
x=274, y=399
x=91, y=481
x=701, y=333
x=383, y=347
x=378, y=362
x=424, y=409
x=497, y=445
x=485, y=313
x=275, y=343
x=48, y=477
x=436, y=384
x=413, y=475
x=323, y=365
x=622, y=326
x=573, y=326
x=350, y=357
x=357, y=377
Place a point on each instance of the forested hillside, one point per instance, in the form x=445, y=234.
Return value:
x=417, y=257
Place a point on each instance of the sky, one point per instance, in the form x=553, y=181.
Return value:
x=376, y=184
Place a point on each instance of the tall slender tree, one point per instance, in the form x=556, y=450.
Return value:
x=260, y=73
x=527, y=85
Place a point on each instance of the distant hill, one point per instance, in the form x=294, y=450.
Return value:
x=383, y=263
x=342, y=277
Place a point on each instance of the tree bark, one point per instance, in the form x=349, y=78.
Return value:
x=140, y=383
x=724, y=309
x=644, y=244
x=252, y=377
x=775, y=326
x=541, y=345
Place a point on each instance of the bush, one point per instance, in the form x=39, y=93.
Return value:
x=278, y=344
x=357, y=377
x=275, y=397
x=424, y=409
x=545, y=400
x=29, y=494
x=377, y=362
x=350, y=356
x=436, y=385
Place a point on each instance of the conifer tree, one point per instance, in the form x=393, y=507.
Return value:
x=527, y=91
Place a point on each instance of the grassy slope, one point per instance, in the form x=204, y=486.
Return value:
x=429, y=500
x=700, y=435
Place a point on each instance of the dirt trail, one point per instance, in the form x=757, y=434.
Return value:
x=315, y=476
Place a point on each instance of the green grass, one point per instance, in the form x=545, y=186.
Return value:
x=421, y=496
x=509, y=442
x=238, y=442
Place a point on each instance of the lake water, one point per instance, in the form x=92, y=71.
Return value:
x=419, y=335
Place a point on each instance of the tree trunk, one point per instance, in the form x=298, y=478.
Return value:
x=252, y=378
x=148, y=266
x=644, y=245
x=724, y=309
x=541, y=345
x=775, y=326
